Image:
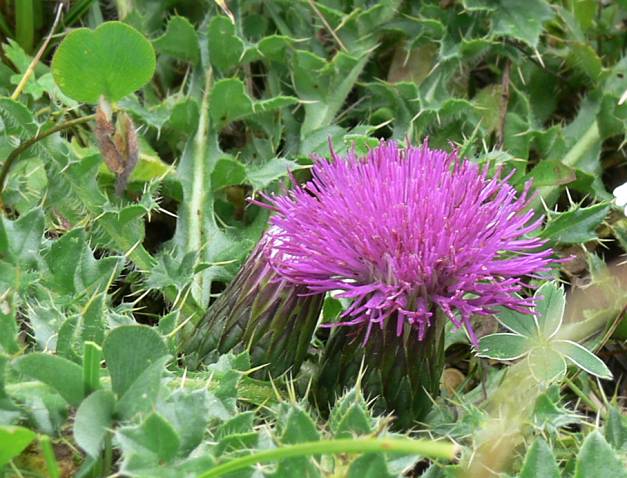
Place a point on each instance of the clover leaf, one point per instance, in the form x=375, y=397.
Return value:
x=535, y=339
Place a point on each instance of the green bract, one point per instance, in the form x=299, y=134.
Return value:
x=113, y=61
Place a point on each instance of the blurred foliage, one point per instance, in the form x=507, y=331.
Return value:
x=97, y=288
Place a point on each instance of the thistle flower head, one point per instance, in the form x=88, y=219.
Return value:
x=404, y=232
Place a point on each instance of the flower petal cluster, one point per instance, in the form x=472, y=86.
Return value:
x=404, y=232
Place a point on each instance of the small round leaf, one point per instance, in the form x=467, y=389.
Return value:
x=113, y=61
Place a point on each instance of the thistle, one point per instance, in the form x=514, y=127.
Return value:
x=411, y=237
x=260, y=312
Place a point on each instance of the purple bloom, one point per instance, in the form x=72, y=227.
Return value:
x=404, y=232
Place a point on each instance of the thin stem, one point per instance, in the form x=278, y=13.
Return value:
x=326, y=25
x=424, y=448
x=108, y=454
x=581, y=395
x=575, y=154
x=15, y=154
x=49, y=456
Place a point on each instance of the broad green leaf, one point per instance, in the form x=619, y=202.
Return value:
x=113, y=61
x=229, y=101
x=298, y=426
x=273, y=104
x=13, y=440
x=540, y=462
x=129, y=351
x=550, y=414
x=239, y=424
x=125, y=225
x=486, y=102
x=584, y=58
x=225, y=47
x=189, y=412
x=41, y=405
x=180, y=40
x=273, y=47
x=615, y=428
x=521, y=20
x=17, y=118
x=370, y=465
x=262, y=176
x=23, y=238
x=577, y=225
x=227, y=374
x=596, y=459
x=59, y=373
x=154, y=440
x=349, y=416
x=8, y=322
x=337, y=80
x=517, y=322
x=552, y=173
x=227, y=171
x=63, y=259
x=612, y=118
x=184, y=116
x=67, y=339
x=546, y=365
x=331, y=309
x=549, y=309
x=93, y=321
x=583, y=358
x=93, y=420
x=504, y=346
x=141, y=395
x=94, y=274
x=168, y=271
x=156, y=116
x=516, y=135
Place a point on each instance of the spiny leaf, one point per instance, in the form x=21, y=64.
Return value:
x=180, y=40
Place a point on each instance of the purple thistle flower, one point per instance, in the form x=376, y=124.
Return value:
x=405, y=232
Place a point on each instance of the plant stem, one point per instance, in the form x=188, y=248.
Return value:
x=425, y=448
x=581, y=395
x=574, y=155
x=49, y=458
x=194, y=227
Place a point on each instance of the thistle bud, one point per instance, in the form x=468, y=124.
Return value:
x=260, y=312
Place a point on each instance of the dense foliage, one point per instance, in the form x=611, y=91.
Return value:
x=132, y=134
